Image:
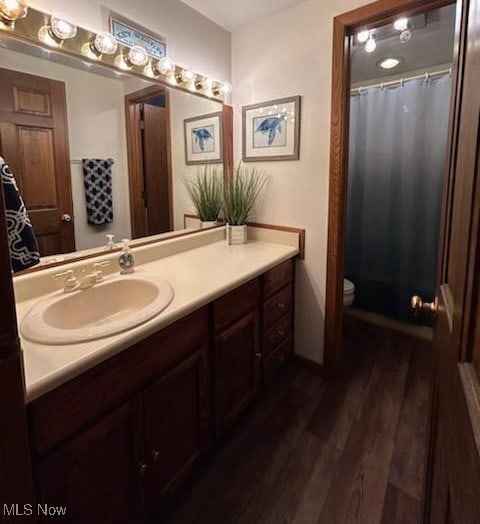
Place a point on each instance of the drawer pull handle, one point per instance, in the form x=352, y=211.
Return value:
x=143, y=468
x=281, y=305
x=281, y=333
x=155, y=455
x=258, y=355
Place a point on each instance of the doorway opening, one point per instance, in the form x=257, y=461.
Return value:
x=394, y=68
x=149, y=160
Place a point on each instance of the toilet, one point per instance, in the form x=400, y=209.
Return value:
x=348, y=292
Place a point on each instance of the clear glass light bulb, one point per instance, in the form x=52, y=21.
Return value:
x=62, y=27
x=405, y=36
x=225, y=88
x=165, y=66
x=12, y=10
x=187, y=75
x=401, y=24
x=363, y=36
x=371, y=45
x=105, y=43
x=138, y=56
x=207, y=83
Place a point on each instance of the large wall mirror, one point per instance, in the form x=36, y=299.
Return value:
x=61, y=116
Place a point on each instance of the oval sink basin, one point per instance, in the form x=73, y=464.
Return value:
x=116, y=305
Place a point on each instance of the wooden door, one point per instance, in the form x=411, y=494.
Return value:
x=98, y=476
x=156, y=126
x=34, y=142
x=453, y=480
x=176, y=426
x=236, y=370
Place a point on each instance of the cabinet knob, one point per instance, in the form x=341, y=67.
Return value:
x=281, y=305
x=155, y=455
x=258, y=355
x=281, y=333
x=142, y=468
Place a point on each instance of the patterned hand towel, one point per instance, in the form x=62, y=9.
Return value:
x=21, y=238
x=98, y=190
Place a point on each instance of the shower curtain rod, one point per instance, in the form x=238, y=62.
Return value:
x=400, y=81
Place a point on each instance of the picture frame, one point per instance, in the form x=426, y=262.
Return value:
x=204, y=139
x=271, y=130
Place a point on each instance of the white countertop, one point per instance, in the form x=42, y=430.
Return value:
x=197, y=276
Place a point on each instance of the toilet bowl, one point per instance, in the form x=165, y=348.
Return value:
x=348, y=292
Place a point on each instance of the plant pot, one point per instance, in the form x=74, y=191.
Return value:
x=207, y=224
x=236, y=235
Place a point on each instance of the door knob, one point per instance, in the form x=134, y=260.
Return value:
x=419, y=306
x=66, y=218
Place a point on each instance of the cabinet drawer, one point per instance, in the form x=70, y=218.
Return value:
x=277, y=278
x=235, y=305
x=280, y=304
x=273, y=362
x=281, y=330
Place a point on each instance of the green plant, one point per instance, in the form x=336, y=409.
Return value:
x=240, y=191
x=205, y=189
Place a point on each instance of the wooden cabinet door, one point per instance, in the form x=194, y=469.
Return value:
x=176, y=426
x=236, y=369
x=34, y=142
x=97, y=477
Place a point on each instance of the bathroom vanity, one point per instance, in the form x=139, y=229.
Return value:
x=118, y=439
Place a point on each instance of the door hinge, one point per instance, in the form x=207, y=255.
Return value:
x=142, y=124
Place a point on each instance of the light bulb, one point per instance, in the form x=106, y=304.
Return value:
x=363, y=36
x=165, y=66
x=47, y=37
x=187, y=75
x=225, y=88
x=371, y=45
x=207, y=83
x=138, y=56
x=405, y=36
x=11, y=10
x=105, y=43
x=401, y=24
x=62, y=28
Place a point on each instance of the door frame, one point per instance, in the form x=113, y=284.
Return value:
x=135, y=157
x=367, y=17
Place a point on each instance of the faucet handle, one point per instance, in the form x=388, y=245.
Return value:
x=97, y=269
x=71, y=283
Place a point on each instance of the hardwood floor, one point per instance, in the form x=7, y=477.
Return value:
x=311, y=450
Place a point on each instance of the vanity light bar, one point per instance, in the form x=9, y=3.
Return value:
x=58, y=31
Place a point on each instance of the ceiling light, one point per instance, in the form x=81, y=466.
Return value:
x=165, y=66
x=371, y=45
x=11, y=10
x=62, y=28
x=401, y=24
x=389, y=63
x=137, y=56
x=363, y=36
x=105, y=44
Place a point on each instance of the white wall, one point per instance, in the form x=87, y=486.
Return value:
x=96, y=129
x=288, y=54
x=182, y=106
x=192, y=39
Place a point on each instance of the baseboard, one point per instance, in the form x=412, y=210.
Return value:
x=311, y=365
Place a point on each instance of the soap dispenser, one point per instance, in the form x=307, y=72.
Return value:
x=126, y=260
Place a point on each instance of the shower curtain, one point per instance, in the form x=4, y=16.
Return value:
x=398, y=139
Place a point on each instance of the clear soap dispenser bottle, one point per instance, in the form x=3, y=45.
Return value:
x=126, y=260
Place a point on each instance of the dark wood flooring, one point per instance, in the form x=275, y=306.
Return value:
x=349, y=449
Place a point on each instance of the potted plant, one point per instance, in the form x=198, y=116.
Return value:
x=240, y=192
x=205, y=190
